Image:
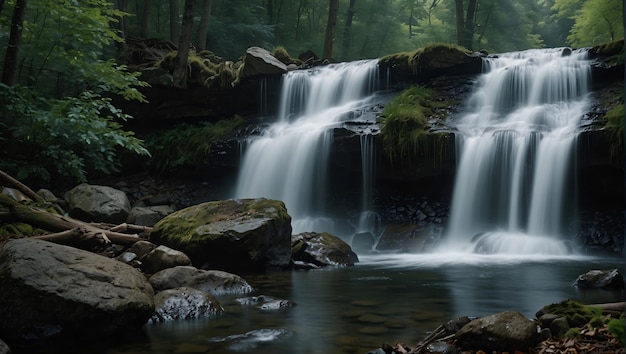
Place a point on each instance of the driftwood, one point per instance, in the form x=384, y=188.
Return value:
x=63, y=229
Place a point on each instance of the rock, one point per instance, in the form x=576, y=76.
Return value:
x=183, y=304
x=148, y=216
x=440, y=347
x=260, y=62
x=4, y=348
x=322, y=249
x=505, y=331
x=48, y=289
x=142, y=248
x=164, y=257
x=559, y=327
x=266, y=303
x=394, y=236
x=546, y=320
x=245, y=234
x=47, y=195
x=213, y=281
x=611, y=279
x=363, y=242
x=93, y=203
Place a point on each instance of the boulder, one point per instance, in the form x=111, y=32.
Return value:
x=48, y=289
x=94, y=203
x=610, y=279
x=260, y=62
x=163, y=257
x=4, y=348
x=506, y=331
x=245, y=234
x=212, y=281
x=394, y=237
x=184, y=304
x=322, y=249
x=559, y=327
x=148, y=216
x=266, y=303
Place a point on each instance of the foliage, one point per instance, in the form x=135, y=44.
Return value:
x=62, y=138
x=60, y=121
x=616, y=328
x=597, y=21
x=403, y=123
x=614, y=128
x=187, y=144
x=283, y=56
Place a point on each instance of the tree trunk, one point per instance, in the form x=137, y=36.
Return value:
x=347, y=31
x=331, y=25
x=459, y=21
x=122, y=5
x=270, y=11
x=1, y=6
x=180, y=68
x=203, y=27
x=174, y=23
x=145, y=18
x=11, y=59
x=469, y=23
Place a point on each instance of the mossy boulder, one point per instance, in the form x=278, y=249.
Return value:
x=321, y=249
x=244, y=234
x=506, y=331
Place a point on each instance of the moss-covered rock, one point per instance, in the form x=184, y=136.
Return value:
x=577, y=314
x=245, y=234
x=321, y=249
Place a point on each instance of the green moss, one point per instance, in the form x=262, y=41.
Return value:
x=187, y=144
x=271, y=207
x=426, y=58
x=611, y=48
x=616, y=328
x=614, y=128
x=577, y=314
x=283, y=56
x=203, y=71
x=403, y=126
x=572, y=332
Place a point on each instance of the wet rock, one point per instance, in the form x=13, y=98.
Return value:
x=505, y=331
x=164, y=257
x=48, y=289
x=440, y=347
x=213, y=281
x=266, y=303
x=4, y=348
x=184, y=303
x=95, y=203
x=610, y=279
x=142, y=248
x=244, y=234
x=260, y=62
x=322, y=249
x=394, y=236
x=559, y=327
x=148, y=216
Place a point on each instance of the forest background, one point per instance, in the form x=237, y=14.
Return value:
x=61, y=58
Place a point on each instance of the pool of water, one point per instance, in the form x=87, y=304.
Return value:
x=383, y=299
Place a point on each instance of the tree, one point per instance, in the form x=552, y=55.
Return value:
x=469, y=24
x=145, y=18
x=203, y=26
x=347, y=30
x=180, y=68
x=11, y=59
x=174, y=24
x=63, y=125
x=597, y=21
x=331, y=25
x=460, y=22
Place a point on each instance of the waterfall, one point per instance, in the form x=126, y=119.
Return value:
x=369, y=220
x=514, y=188
x=288, y=161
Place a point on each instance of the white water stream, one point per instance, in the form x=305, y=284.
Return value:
x=289, y=161
x=515, y=191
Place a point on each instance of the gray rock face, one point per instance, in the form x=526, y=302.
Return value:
x=184, y=304
x=149, y=215
x=394, y=237
x=259, y=62
x=230, y=235
x=164, y=257
x=363, y=242
x=322, y=249
x=97, y=203
x=48, y=289
x=213, y=281
x=505, y=331
x=611, y=279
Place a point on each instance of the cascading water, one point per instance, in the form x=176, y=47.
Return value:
x=288, y=162
x=514, y=187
